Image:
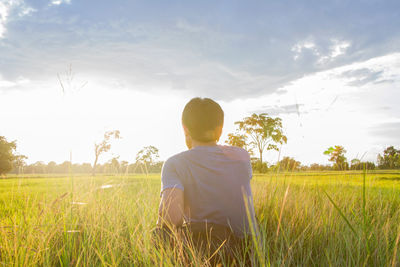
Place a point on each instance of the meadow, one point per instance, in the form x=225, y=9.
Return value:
x=304, y=219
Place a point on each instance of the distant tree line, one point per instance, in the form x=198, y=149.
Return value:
x=290, y=164
x=389, y=159
x=146, y=160
x=111, y=167
x=258, y=132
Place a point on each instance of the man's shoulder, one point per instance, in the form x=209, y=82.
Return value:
x=236, y=152
x=235, y=149
x=176, y=158
x=233, y=152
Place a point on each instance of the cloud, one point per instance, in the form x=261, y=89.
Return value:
x=279, y=110
x=16, y=8
x=363, y=76
x=200, y=48
x=338, y=48
x=335, y=49
x=4, y=13
x=387, y=131
x=13, y=9
x=13, y=85
x=59, y=2
x=3, y=18
x=5, y=84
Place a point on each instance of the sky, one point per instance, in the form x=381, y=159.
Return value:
x=330, y=70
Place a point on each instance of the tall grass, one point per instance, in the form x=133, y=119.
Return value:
x=307, y=219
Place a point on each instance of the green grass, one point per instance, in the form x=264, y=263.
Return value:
x=308, y=219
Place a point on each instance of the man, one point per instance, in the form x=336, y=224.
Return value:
x=206, y=189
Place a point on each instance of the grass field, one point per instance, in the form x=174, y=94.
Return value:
x=308, y=219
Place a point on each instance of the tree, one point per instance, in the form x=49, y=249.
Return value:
x=319, y=167
x=19, y=163
x=104, y=146
x=115, y=164
x=86, y=168
x=65, y=167
x=39, y=167
x=239, y=140
x=337, y=156
x=7, y=156
x=258, y=166
x=51, y=167
x=390, y=158
x=147, y=156
x=265, y=132
x=124, y=166
x=356, y=164
x=289, y=164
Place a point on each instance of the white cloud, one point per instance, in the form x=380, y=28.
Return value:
x=301, y=46
x=59, y=2
x=25, y=11
x=376, y=71
x=9, y=6
x=318, y=111
x=337, y=48
x=325, y=109
x=225, y=58
x=4, y=84
x=4, y=12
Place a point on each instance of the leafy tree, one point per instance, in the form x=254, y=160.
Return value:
x=124, y=166
x=390, y=158
x=147, y=156
x=257, y=166
x=289, y=164
x=51, y=167
x=265, y=132
x=356, y=164
x=115, y=164
x=65, y=167
x=239, y=140
x=156, y=167
x=85, y=168
x=7, y=156
x=19, y=163
x=337, y=157
x=39, y=167
x=319, y=167
x=104, y=146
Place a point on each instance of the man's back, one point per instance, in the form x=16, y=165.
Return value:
x=215, y=181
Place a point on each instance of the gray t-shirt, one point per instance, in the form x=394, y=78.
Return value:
x=215, y=181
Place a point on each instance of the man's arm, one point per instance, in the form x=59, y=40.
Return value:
x=170, y=211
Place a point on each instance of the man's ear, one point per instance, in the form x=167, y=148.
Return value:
x=218, y=132
x=185, y=130
x=188, y=138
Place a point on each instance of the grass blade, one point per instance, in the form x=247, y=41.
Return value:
x=341, y=213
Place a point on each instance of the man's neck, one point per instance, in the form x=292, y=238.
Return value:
x=198, y=143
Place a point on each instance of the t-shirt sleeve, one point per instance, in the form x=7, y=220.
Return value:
x=170, y=177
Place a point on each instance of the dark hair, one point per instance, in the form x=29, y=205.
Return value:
x=201, y=116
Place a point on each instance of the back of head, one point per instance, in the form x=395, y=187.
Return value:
x=202, y=116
